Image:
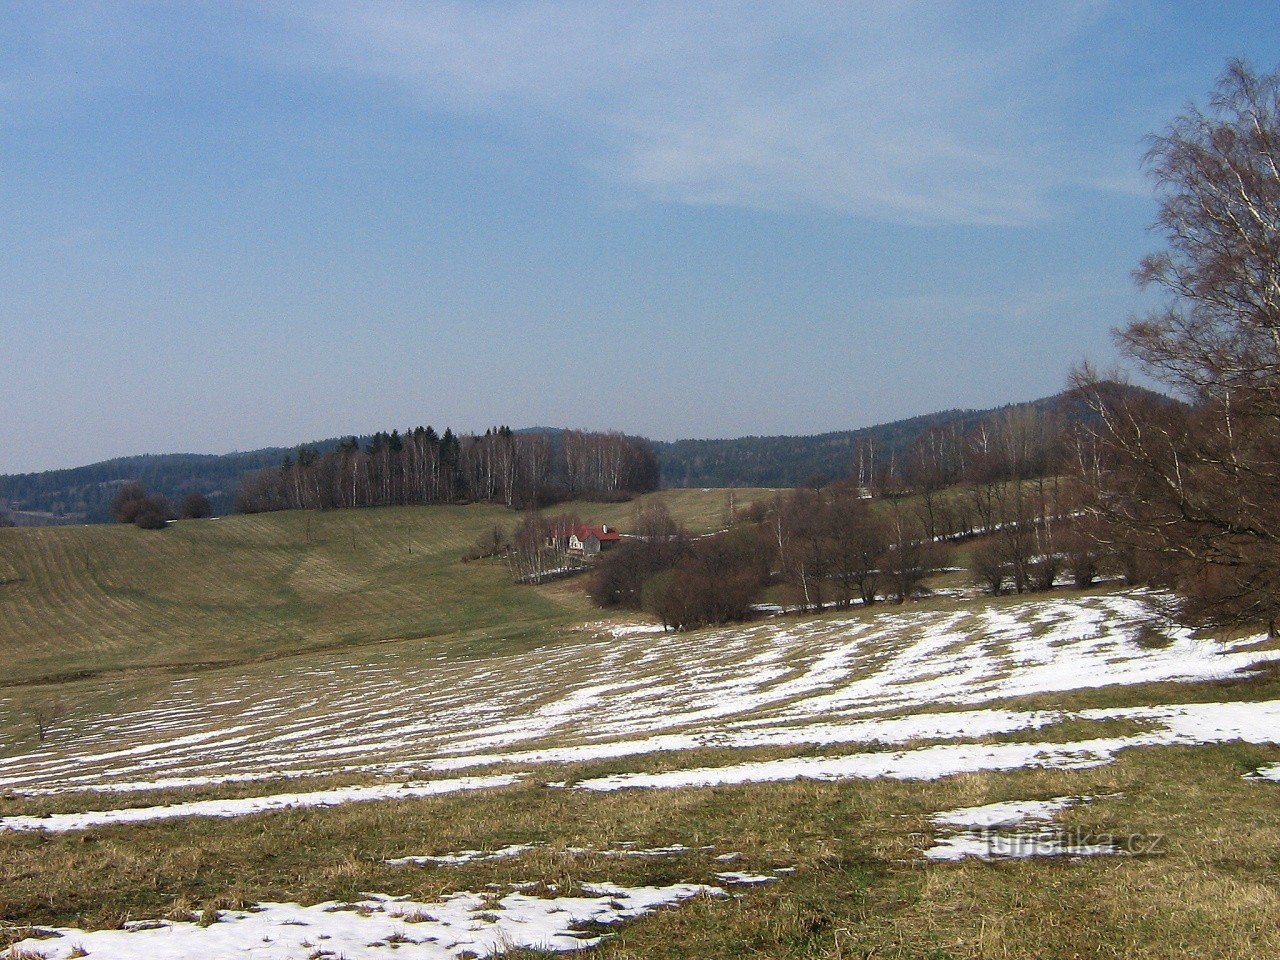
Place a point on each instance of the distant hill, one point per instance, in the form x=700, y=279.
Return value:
x=791, y=461
x=83, y=494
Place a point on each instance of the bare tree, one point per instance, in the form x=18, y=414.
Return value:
x=1198, y=486
x=196, y=506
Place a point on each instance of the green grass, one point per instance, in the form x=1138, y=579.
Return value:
x=700, y=510
x=77, y=600
x=90, y=599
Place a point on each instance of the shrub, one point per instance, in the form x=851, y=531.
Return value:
x=1083, y=557
x=196, y=506
x=154, y=513
x=1044, y=571
x=990, y=566
x=128, y=502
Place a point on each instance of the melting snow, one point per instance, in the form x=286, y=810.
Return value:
x=1002, y=831
x=814, y=682
x=377, y=927
x=811, y=683
x=1176, y=725
x=622, y=850
x=462, y=856
x=61, y=822
x=746, y=879
x=994, y=815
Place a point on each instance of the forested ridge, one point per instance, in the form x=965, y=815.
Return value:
x=84, y=494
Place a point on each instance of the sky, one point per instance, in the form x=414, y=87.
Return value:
x=234, y=225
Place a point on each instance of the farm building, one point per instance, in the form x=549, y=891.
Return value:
x=588, y=539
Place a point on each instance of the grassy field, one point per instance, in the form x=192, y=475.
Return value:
x=89, y=599
x=1208, y=888
x=418, y=668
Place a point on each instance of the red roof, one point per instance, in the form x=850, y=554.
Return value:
x=601, y=531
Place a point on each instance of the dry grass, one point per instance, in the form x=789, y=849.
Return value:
x=242, y=589
x=859, y=889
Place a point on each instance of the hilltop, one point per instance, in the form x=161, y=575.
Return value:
x=83, y=494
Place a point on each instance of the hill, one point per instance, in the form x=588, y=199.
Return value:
x=791, y=461
x=83, y=494
x=99, y=598
x=1058, y=776
x=314, y=734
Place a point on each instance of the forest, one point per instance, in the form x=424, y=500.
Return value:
x=84, y=494
x=1017, y=484
x=420, y=466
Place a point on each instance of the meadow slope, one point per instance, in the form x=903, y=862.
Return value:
x=1054, y=776
x=77, y=600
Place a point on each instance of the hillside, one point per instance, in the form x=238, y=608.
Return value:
x=1057, y=776
x=107, y=597
x=322, y=734
x=83, y=494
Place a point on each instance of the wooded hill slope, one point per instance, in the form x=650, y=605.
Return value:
x=83, y=494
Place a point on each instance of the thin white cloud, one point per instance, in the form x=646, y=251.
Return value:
x=901, y=112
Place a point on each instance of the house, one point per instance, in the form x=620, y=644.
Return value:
x=588, y=539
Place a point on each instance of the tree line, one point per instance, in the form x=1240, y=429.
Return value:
x=878, y=534
x=421, y=467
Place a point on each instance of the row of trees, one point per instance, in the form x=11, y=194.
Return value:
x=833, y=547
x=420, y=466
x=133, y=503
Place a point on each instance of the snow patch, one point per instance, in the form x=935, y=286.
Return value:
x=999, y=831
x=377, y=927
x=62, y=822
x=745, y=879
x=1175, y=725
x=461, y=857
x=1267, y=773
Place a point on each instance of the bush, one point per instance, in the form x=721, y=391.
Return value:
x=622, y=574
x=715, y=581
x=1044, y=571
x=154, y=513
x=196, y=506
x=491, y=543
x=1083, y=557
x=128, y=502
x=990, y=566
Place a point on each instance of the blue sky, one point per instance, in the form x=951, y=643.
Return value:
x=235, y=225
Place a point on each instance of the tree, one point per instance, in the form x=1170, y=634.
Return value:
x=128, y=502
x=540, y=547
x=858, y=540
x=1197, y=486
x=990, y=565
x=656, y=544
x=195, y=506
x=806, y=560
x=714, y=581
x=154, y=513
